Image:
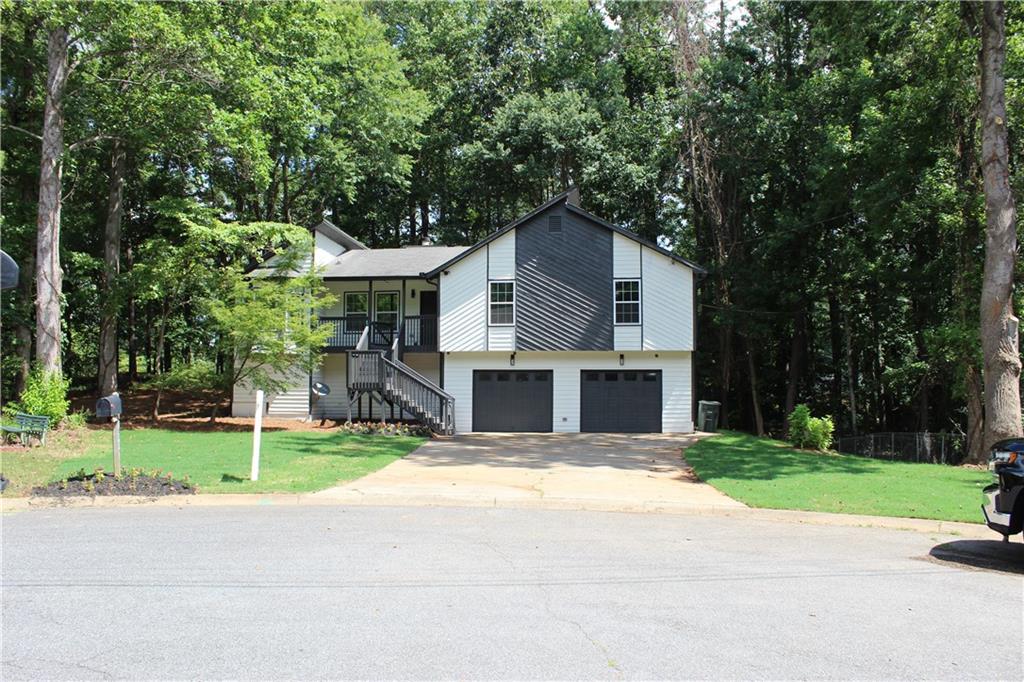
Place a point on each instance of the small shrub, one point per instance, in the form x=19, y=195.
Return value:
x=45, y=394
x=806, y=431
x=820, y=431
x=76, y=420
x=799, y=425
x=198, y=375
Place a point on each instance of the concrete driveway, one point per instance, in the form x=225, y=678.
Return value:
x=608, y=472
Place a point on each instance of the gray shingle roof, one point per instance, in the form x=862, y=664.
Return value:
x=410, y=261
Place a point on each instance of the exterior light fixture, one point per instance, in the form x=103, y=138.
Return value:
x=512, y=360
x=622, y=359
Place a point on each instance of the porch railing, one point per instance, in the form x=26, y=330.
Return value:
x=420, y=333
x=345, y=331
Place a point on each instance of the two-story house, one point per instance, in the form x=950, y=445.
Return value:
x=559, y=321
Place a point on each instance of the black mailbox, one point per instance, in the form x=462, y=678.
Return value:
x=109, y=406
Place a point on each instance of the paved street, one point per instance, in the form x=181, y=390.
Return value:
x=379, y=592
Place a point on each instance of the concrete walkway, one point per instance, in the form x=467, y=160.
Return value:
x=621, y=472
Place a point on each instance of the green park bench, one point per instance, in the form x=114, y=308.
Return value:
x=26, y=426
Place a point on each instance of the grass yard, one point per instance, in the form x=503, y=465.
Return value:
x=766, y=473
x=216, y=461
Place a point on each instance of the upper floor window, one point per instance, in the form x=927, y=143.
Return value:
x=355, y=310
x=627, y=301
x=502, y=307
x=355, y=303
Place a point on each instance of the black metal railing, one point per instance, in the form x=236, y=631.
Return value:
x=382, y=334
x=345, y=331
x=935, y=448
x=420, y=333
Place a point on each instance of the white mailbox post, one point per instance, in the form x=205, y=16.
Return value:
x=254, y=474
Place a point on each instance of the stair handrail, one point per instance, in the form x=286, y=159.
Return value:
x=401, y=366
x=364, y=339
x=397, y=343
x=446, y=401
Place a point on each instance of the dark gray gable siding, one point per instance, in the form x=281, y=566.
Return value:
x=564, y=284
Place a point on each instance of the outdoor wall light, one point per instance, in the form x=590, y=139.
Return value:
x=622, y=359
x=412, y=293
x=512, y=360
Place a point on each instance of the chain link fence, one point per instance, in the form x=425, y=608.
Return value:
x=933, y=448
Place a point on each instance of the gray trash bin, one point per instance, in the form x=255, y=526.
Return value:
x=707, y=415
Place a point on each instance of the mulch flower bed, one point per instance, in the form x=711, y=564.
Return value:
x=130, y=482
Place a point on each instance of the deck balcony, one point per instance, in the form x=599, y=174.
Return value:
x=417, y=334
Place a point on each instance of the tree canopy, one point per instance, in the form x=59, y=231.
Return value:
x=821, y=159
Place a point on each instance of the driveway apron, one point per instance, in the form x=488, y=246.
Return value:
x=628, y=472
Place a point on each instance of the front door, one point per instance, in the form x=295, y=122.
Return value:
x=428, y=303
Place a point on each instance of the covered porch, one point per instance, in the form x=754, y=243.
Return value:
x=383, y=299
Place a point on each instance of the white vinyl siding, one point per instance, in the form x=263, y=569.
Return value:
x=667, y=300
x=292, y=402
x=325, y=249
x=501, y=338
x=566, y=367
x=625, y=257
x=628, y=337
x=463, y=305
x=501, y=257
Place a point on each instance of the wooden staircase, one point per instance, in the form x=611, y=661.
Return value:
x=373, y=372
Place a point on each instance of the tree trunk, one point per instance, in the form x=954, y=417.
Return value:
x=851, y=377
x=49, y=278
x=725, y=370
x=424, y=221
x=23, y=329
x=755, y=400
x=160, y=339
x=797, y=359
x=836, y=341
x=975, y=416
x=107, y=379
x=133, y=341
x=999, y=326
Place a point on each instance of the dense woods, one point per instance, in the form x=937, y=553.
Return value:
x=824, y=161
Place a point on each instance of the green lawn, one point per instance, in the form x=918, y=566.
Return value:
x=219, y=461
x=766, y=473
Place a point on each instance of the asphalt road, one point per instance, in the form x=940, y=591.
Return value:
x=335, y=592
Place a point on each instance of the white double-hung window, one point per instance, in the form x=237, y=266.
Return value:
x=501, y=309
x=627, y=301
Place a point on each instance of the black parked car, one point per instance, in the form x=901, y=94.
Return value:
x=1004, y=502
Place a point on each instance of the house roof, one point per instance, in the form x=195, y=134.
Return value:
x=335, y=233
x=406, y=262
x=568, y=197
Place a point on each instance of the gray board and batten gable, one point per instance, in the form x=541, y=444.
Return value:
x=563, y=283
x=564, y=276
